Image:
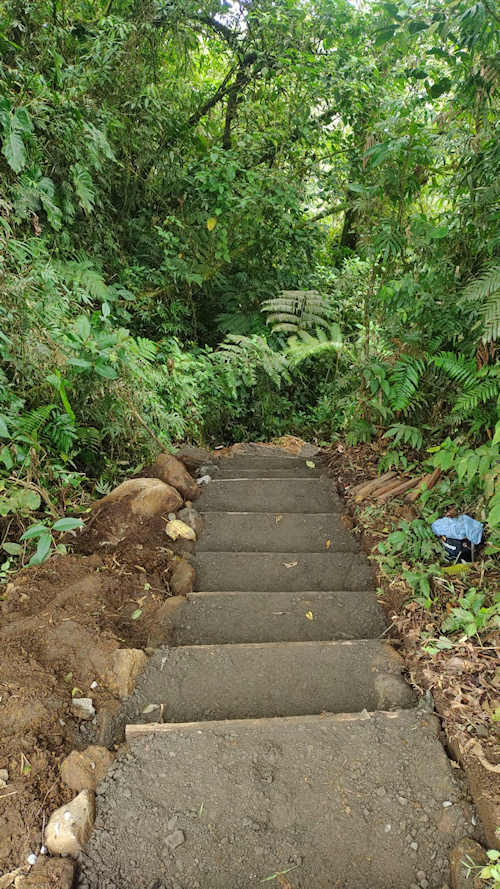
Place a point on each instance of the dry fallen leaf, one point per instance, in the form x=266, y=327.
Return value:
x=277, y=519
x=328, y=544
x=309, y=615
x=290, y=564
x=176, y=529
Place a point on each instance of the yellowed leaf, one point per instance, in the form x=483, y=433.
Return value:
x=328, y=544
x=277, y=519
x=309, y=615
x=310, y=464
x=211, y=223
x=176, y=528
x=290, y=564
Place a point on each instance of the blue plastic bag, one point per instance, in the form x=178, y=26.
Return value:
x=460, y=528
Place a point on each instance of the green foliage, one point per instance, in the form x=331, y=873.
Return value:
x=294, y=311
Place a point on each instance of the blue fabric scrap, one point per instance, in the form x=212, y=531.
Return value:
x=460, y=528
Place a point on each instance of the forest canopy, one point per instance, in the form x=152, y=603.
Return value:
x=230, y=220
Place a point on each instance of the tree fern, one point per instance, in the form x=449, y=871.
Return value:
x=253, y=354
x=486, y=290
x=295, y=310
x=306, y=345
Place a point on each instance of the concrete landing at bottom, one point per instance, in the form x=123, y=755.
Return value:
x=346, y=801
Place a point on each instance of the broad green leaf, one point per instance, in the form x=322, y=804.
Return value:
x=441, y=86
x=13, y=146
x=106, y=371
x=35, y=531
x=43, y=549
x=84, y=187
x=12, y=548
x=211, y=223
x=83, y=327
x=67, y=524
x=6, y=458
x=80, y=362
x=4, y=432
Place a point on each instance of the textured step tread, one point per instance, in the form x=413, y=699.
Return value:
x=269, y=495
x=282, y=572
x=341, y=797
x=198, y=682
x=222, y=618
x=235, y=472
x=275, y=532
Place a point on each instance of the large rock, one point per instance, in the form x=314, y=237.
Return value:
x=171, y=471
x=193, y=457
x=466, y=852
x=145, y=497
x=132, y=513
x=48, y=873
x=70, y=826
x=127, y=664
x=182, y=579
x=83, y=769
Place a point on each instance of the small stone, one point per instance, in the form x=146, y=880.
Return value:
x=83, y=708
x=424, y=884
x=414, y=846
x=70, y=826
x=84, y=769
x=420, y=875
x=31, y=859
x=93, y=684
x=183, y=577
x=192, y=518
x=447, y=803
x=4, y=777
x=402, y=801
x=48, y=873
x=175, y=839
x=387, y=828
x=127, y=663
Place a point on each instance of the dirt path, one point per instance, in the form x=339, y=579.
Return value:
x=291, y=750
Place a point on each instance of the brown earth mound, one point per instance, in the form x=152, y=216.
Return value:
x=62, y=625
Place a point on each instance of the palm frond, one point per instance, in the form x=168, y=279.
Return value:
x=486, y=289
x=295, y=310
x=304, y=345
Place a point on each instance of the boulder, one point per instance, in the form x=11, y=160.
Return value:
x=48, y=873
x=193, y=457
x=127, y=663
x=83, y=769
x=170, y=470
x=467, y=851
x=145, y=497
x=183, y=578
x=70, y=826
x=132, y=512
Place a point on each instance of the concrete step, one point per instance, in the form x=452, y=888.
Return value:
x=270, y=495
x=245, y=461
x=234, y=472
x=197, y=682
x=282, y=572
x=352, y=802
x=220, y=618
x=275, y=532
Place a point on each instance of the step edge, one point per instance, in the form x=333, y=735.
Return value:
x=282, y=592
x=310, y=643
x=136, y=730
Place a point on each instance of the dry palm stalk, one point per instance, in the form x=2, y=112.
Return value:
x=390, y=486
x=397, y=490
x=361, y=491
x=428, y=481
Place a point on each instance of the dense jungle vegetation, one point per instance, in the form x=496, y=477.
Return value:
x=227, y=220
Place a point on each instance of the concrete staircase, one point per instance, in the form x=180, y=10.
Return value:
x=291, y=751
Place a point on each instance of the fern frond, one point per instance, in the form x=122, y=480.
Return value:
x=460, y=369
x=304, y=345
x=404, y=381
x=297, y=310
x=486, y=289
x=30, y=423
